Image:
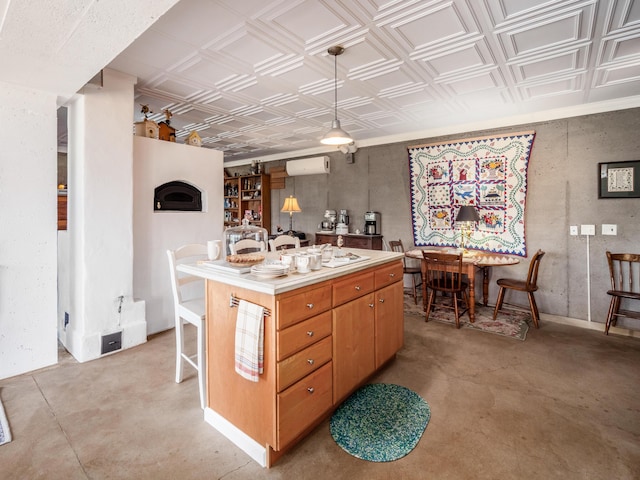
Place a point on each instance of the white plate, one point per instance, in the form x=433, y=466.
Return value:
x=269, y=270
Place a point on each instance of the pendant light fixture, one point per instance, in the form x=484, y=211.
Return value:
x=336, y=136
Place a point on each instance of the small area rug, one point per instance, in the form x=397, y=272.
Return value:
x=509, y=323
x=5, y=433
x=380, y=422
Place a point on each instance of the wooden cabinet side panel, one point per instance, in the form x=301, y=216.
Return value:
x=353, y=345
x=250, y=406
x=389, y=324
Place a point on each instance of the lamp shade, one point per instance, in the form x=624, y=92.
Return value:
x=290, y=205
x=336, y=136
x=467, y=213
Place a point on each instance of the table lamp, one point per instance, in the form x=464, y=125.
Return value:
x=291, y=206
x=467, y=217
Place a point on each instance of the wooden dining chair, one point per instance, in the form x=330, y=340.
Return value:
x=396, y=246
x=529, y=285
x=443, y=273
x=624, y=270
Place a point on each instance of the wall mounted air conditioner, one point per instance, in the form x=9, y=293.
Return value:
x=308, y=166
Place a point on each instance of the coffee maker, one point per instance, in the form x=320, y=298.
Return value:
x=372, y=223
x=342, y=227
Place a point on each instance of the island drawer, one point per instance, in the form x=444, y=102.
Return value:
x=388, y=274
x=303, y=334
x=300, y=405
x=301, y=306
x=352, y=287
x=303, y=363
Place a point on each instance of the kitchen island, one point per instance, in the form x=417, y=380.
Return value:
x=325, y=334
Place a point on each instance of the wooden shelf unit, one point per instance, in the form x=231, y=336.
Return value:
x=247, y=193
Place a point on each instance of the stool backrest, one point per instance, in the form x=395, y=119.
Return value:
x=190, y=253
x=284, y=241
x=247, y=245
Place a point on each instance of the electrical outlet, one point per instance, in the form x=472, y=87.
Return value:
x=609, y=229
x=573, y=230
x=587, y=229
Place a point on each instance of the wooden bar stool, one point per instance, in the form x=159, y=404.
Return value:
x=189, y=307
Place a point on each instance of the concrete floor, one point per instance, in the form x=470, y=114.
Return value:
x=562, y=404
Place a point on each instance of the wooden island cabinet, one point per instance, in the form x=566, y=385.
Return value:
x=327, y=332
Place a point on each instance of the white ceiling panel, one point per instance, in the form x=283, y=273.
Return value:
x=548, y=65
x=255, y=78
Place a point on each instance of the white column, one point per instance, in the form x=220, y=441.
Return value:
x=100, y=219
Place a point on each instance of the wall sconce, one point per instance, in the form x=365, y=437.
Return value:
x=467, y=218
x=291, y=206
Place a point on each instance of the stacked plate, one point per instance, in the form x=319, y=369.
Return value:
x=269, y=270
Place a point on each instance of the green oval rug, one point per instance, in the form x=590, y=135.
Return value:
x=380, y=422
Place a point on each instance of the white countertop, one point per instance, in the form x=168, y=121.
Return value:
x=292, y=280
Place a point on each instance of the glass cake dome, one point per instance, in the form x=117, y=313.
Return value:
x=245, y=239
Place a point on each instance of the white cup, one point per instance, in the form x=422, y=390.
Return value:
x=288, y=261
x=213, y=249
x=302, y=263
x=315, y=258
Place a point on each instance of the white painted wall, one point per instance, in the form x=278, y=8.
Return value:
x=157, y=162
x=100, y=220
x=28, y=223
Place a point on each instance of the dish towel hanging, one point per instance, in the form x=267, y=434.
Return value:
x=249, y=350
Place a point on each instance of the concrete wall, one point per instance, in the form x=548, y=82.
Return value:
x=562, y=191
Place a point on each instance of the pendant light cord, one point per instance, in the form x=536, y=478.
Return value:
x=335, y=86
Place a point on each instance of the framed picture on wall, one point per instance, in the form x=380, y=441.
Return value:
x=619, y=179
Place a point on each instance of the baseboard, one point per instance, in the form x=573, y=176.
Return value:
x=247, y=444
x=576, y=322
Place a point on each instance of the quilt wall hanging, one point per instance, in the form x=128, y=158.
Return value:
x=489, y=173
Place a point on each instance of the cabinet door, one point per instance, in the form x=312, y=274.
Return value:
x=389, y=322
x=353, y=345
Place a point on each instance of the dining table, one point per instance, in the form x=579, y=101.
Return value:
x=472, y=260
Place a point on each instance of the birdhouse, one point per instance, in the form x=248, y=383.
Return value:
x=146, y=128
x=166, y=132
x=194, y=139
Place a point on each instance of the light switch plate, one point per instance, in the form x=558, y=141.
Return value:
x=573, y=230
x=609, y=229
x=587, y=229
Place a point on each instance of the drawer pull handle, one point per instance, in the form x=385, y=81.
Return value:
x=309, y=305
x=310, y=361
x=382, y=300
x=310, y=333
x=371, y=305
x=310, y=390
x=392, y=275
x=358, y=287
